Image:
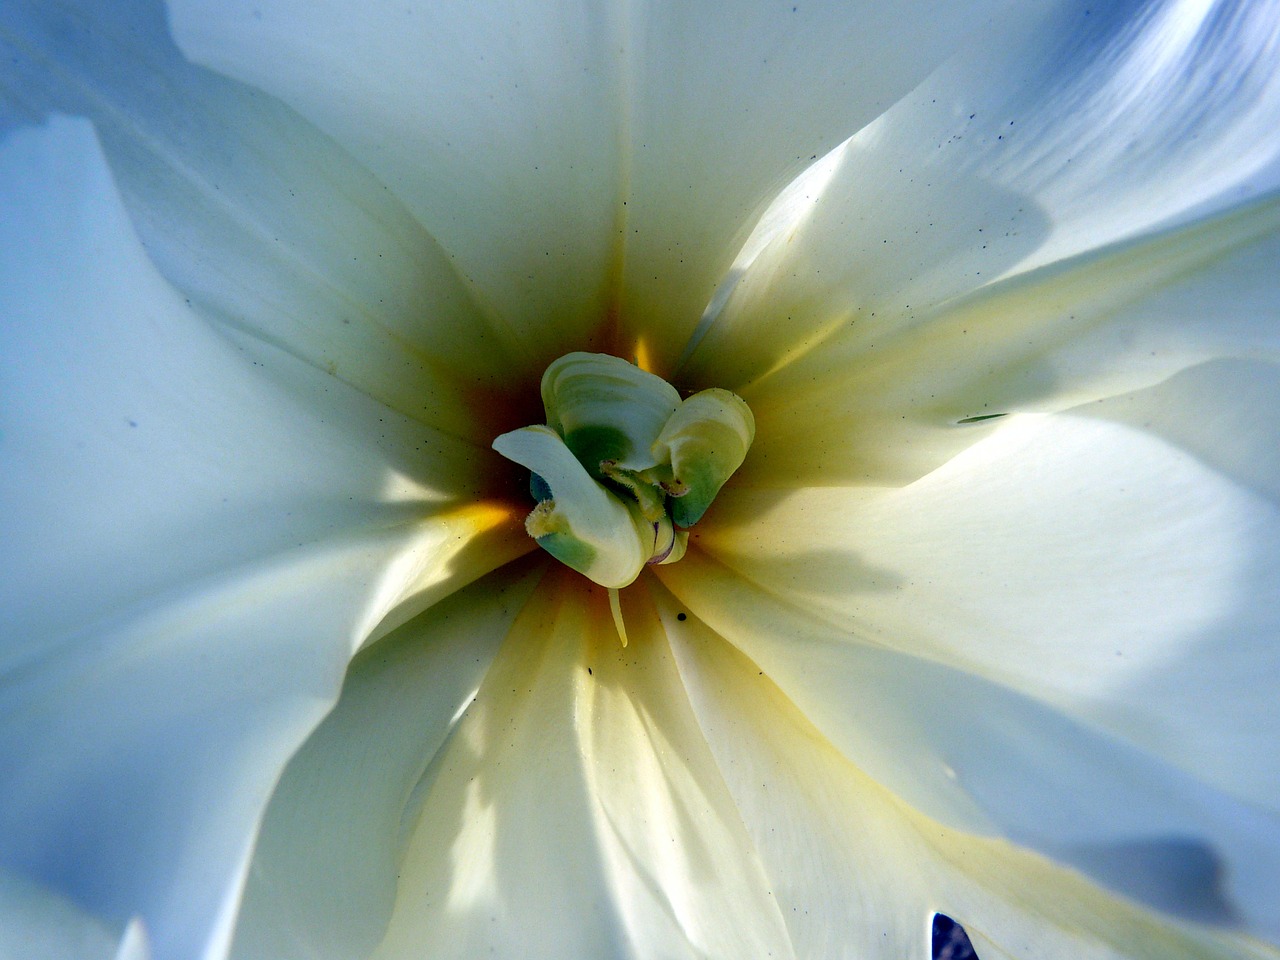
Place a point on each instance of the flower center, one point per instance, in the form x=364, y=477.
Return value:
x=623, y=467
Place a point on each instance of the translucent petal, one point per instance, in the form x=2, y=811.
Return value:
x=575, y=811
x=323, y=879
x=728, y=104
x=565, y=152
x=1086, y=561
x=888, y=410
x=1118, y=585
x=858, y=873
x=1068, y=128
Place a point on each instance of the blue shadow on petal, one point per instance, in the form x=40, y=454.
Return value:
x=265, y=224
x=1181, y=876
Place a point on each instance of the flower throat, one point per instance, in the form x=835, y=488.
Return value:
x=623, y=466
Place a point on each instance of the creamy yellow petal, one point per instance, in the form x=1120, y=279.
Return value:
x=1088, y=562
x=858, y=874
x=990, y=758
x=324, y=875
x=576, y=811
x=886, y=406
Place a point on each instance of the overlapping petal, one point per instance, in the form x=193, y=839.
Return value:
x=260, y=219
x=497, y=124
x=825, y=832
x=576, y=812
x=269, y=452
x=888, y=410
x=573, y=811
x=1070, y=131
x=575, y=155
x=601, y=838
x=1086, y=564
x=320, y=891
x=221, y=542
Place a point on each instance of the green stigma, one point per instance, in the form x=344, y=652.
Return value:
x=623, y=466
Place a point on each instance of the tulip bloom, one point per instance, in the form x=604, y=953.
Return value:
x=983, y=624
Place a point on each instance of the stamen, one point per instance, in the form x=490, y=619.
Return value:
x=615, y=607
x=621, y=463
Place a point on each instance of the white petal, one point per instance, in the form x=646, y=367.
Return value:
x=260, y=219
x=1077, y=559
x=139, y=758
x=323, y=880
x=1084, y=564
x=191, y=550
x=858, y=874
x=37, y=925
x=1063, y=131
x=516, y=131
x=887, y=409
x=142, y=450
x=575, y=811
x=729, y=102
x=496, y=123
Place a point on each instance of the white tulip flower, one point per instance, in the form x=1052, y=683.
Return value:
x=939, y=507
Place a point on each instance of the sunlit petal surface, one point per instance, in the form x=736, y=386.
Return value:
x=821, y=826
x=1055, y=135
